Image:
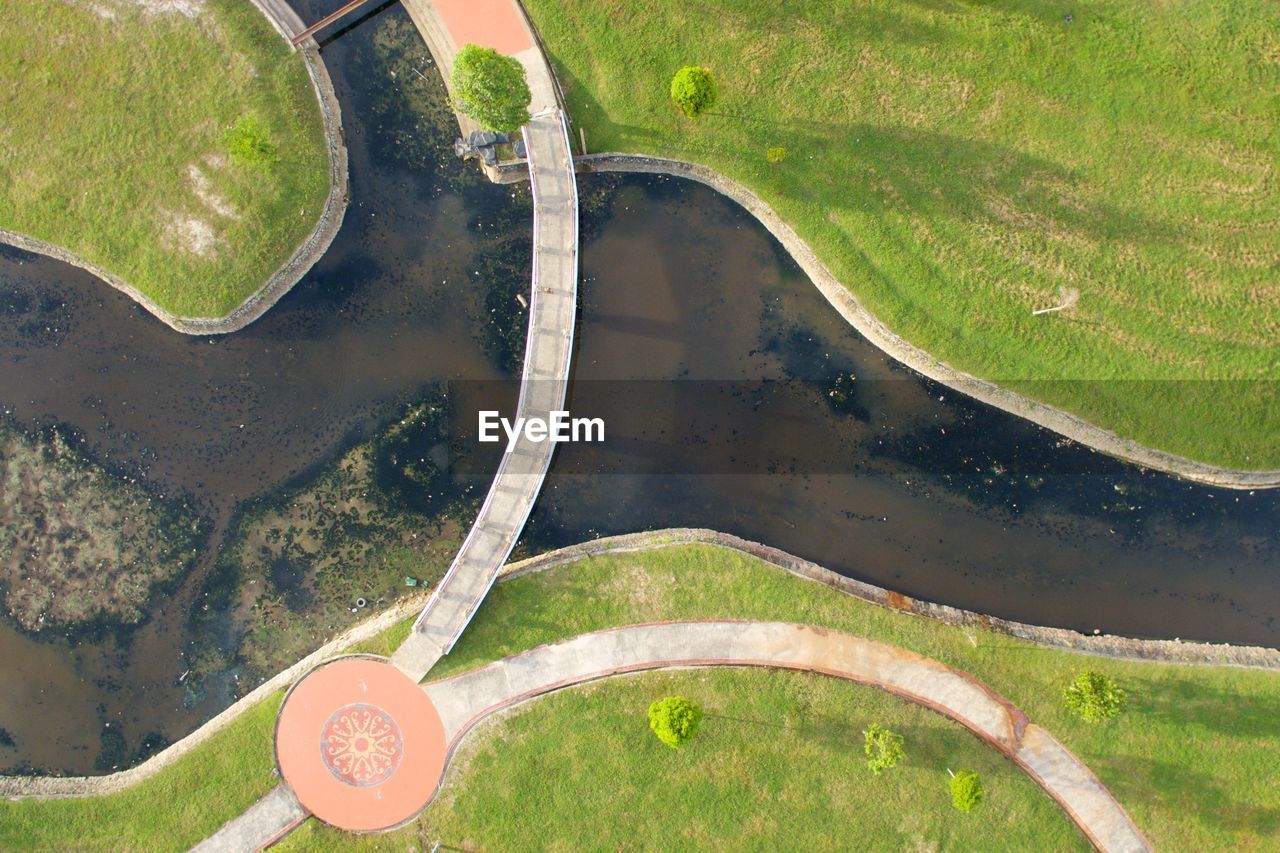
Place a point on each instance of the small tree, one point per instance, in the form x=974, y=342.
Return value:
x=693, y=90
x=674, y=720
x=883, y=748
x=490, y=88
x=966, y=790
x=1094, y=697
x=776, y=154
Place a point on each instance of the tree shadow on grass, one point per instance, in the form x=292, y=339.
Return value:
x=895, y=171
x=1185, y=791
x=1191, y=705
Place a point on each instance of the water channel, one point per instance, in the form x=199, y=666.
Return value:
x=735, y=399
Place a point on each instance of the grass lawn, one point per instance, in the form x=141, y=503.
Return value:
x=113, y=143
x=778, y=765
x=171, y=811
x=1192, y=760
x=960, y=164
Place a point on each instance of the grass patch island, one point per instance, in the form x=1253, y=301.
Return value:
x=176, y=144
x=960, y=165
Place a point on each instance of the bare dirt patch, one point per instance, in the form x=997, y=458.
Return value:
x=209, y=197
x=110, y=9
x=192, y=235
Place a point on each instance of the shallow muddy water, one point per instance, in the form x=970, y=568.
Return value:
x=688, y=304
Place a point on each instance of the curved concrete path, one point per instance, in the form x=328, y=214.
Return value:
x=447, y=25
x=464, y=700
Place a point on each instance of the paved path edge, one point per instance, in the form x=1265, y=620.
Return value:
x=259, y=826
x=1120, y=648
x=312, y=248
x=873, y=329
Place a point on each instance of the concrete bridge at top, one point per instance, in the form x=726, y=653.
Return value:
x=447, y=25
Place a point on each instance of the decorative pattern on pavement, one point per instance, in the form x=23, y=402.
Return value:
x=361, y=745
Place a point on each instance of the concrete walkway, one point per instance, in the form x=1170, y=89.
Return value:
x=446, y=25
x=464, y=700
x=261, y=825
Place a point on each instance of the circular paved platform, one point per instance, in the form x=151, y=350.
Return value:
x=360, y=744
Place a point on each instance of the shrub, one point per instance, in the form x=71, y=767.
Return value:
x=674, y=720
x=883, y=748
x=966, y=790
x=1094, y=697
x=490, y=88
x=693, y=90
x=776, y=154
x=249, y=142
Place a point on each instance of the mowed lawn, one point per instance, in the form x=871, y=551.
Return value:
x=960, y=164
x=778, y=765
x=1193, y=760
x=113, y=142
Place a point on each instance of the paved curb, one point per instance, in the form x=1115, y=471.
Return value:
x=1158, y=651
x=867, y=324
x=299, y=263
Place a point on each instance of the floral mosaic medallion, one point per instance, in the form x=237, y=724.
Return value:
x=361, y=745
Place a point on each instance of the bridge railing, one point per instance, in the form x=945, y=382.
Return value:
x=562, y=381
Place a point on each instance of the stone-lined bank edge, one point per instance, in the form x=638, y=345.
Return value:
x=1160, y=651
x=857, y=315
x=284, y=21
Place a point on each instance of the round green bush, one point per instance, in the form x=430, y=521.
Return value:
x=883, y=748
x=1094, y=697
x=490, y=88
x=674, y=720
x=966, y=790
x=693, y=90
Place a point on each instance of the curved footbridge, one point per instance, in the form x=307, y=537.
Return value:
x=446, y=25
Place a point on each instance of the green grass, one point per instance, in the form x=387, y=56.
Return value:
x=1192, y=760
x=956, y=163
x=171, y=811
x=777, y=765
x=113, y=121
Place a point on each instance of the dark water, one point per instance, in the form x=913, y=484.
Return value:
x=892, y=479
x=895, y=480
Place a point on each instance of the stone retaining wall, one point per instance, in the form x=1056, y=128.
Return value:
x=1124, y=648
x=1167, y=651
